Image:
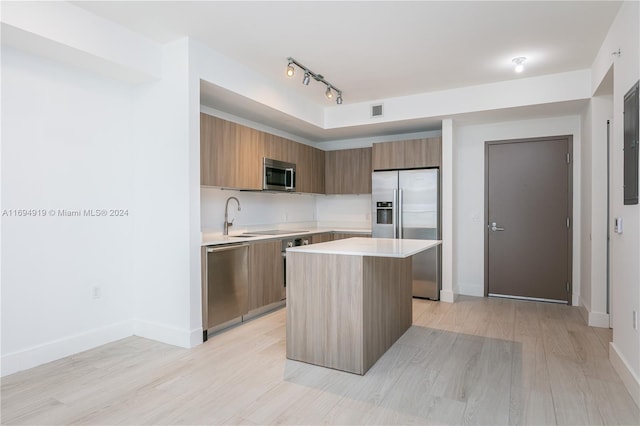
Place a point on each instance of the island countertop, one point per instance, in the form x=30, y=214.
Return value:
x=376, y=247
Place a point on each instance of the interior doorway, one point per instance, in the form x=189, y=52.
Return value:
x=528, y=212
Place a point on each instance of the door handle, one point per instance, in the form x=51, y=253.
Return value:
x=494, y=227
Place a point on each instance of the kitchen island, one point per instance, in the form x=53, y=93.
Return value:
x=349, y=300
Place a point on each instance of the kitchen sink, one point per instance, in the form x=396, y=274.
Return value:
x=243, y=236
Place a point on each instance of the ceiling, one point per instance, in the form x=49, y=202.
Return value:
x=374, y=50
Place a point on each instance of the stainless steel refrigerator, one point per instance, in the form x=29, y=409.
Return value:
x=406, y=204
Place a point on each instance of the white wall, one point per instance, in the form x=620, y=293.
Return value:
x=344, y=211
x=66, y=144
x=625, y=248
x=163, y=244
x=468, y=193
x=593, y=293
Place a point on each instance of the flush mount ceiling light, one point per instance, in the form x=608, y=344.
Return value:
x=308, y=74
x=519, y=61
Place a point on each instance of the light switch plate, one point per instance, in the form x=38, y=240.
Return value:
x=617, y=225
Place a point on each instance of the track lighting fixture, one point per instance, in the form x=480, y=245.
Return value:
x=519, y=61
x=308, y=74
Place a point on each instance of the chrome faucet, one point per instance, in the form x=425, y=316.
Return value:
x=227, y=224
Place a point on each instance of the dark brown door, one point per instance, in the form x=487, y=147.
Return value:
x=528, y=212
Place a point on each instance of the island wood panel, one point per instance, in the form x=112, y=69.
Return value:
x=345, y=311
x=348, y=171
x=387, y=304
x=266, y=273
x=324, y=310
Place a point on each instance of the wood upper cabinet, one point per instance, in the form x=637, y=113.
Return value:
x=409, y=154
x=309, y=162
x=266, y=273
x=230, y=154
x=348, y=171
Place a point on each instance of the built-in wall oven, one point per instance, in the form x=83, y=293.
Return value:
x=278, y=175
x=291, y=242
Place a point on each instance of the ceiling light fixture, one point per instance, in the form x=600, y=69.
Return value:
x=290, y=69
x=519, y=61
x=308, y=74
x=328, y=93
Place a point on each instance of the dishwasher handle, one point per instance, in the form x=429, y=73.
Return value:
x=225, y=248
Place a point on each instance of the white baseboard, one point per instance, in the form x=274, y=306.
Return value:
x=630, y=380
x=593, y=319
x=447, y=296
x=60, y=348
x=575, y=299
x=167, y=334
x=598, y=319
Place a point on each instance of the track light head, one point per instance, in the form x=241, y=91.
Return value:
x=290, y=70
x=339, y=98
x=307, y=78
x=329, y=93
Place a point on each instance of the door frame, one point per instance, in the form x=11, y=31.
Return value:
x=487, y=144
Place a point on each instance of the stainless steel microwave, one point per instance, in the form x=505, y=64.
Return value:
x=278, y=175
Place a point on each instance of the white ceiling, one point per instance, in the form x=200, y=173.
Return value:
x=375, y=50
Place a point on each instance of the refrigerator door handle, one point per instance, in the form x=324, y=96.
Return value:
x=395, y=213
x=400, y=214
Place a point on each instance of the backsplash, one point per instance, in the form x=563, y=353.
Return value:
x=266, y=209
x=344, y=211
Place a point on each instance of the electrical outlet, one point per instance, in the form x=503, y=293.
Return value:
x=95, y=292
x=635, y=319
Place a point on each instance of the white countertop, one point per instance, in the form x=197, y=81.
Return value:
x=377, y=247
x=212, y=239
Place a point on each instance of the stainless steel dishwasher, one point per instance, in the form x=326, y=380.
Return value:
x=226, y=286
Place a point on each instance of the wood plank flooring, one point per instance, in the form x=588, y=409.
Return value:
x=477, y=361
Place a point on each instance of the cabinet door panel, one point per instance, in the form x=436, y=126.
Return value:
x=266, y=273
x=348, y=171
x=387, y=155
x=422, y=153
x=248, y=165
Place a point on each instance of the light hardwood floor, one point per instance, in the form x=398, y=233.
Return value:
x=478, y=361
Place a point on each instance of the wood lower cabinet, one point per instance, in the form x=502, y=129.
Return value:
x=266, y=273
x=343, y=235
x=348, y=171
x=409, y=154
x=321, y=238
